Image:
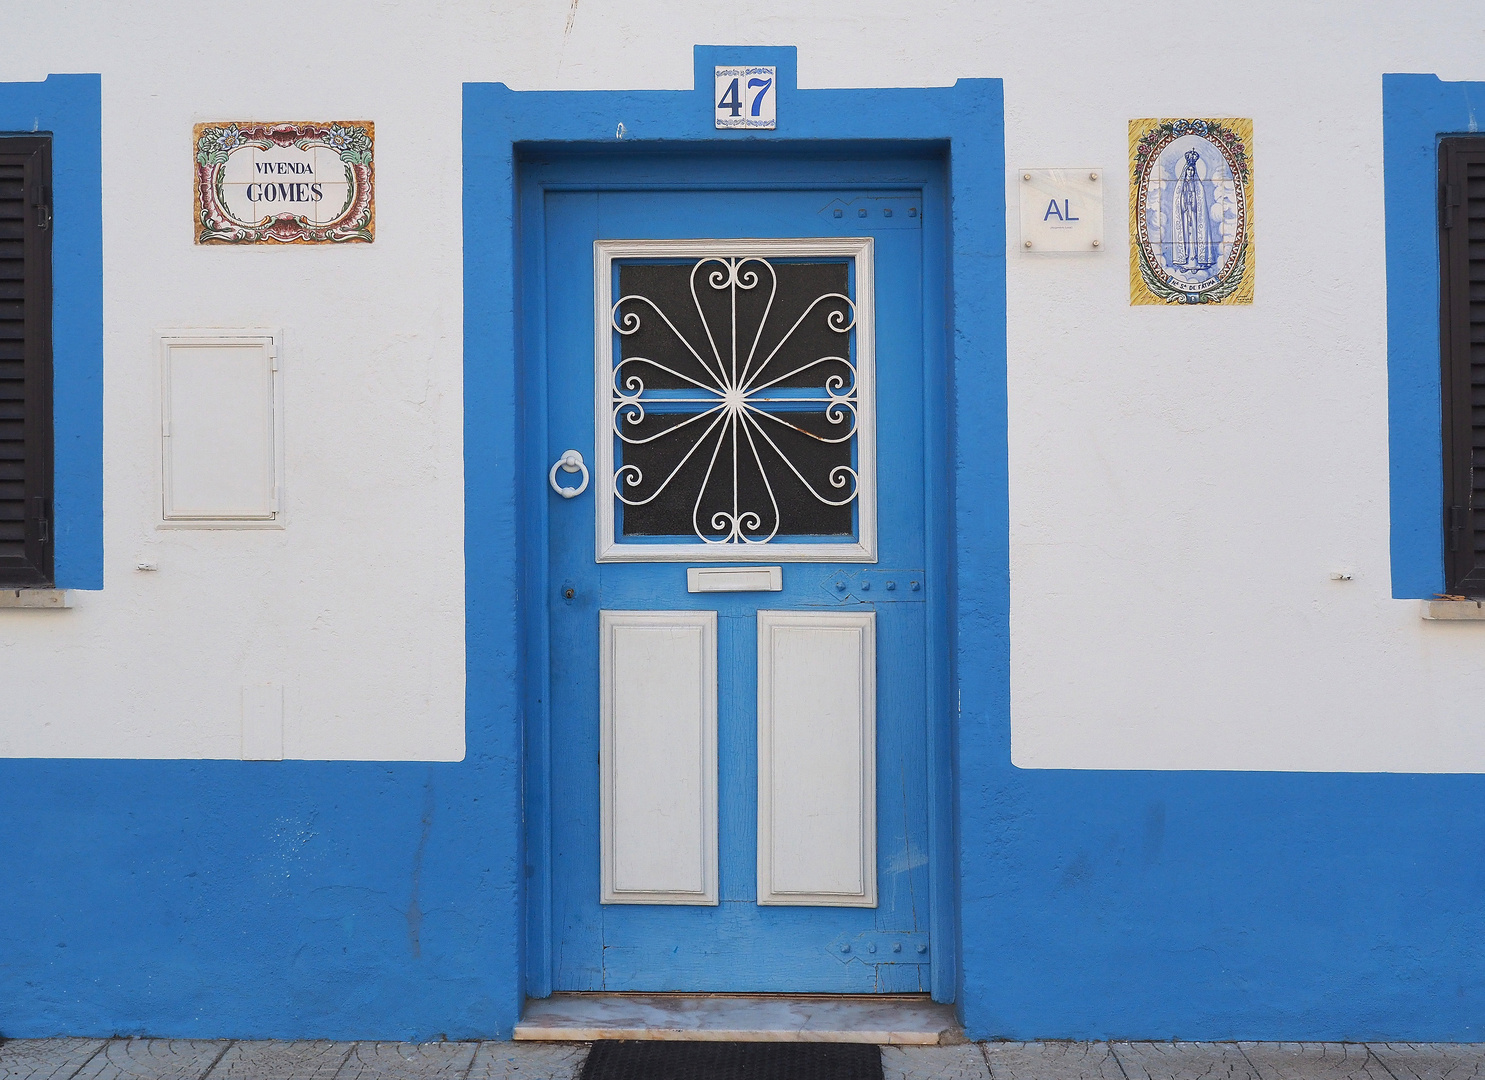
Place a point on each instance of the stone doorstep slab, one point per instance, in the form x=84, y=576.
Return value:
x=888, y=1020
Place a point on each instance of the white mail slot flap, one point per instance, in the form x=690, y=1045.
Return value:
x=734, y=579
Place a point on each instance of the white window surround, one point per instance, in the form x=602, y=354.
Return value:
x=608, y=547
x=270, y=511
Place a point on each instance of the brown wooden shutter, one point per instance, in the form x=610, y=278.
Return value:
x=25, y=361
x=1462, y=294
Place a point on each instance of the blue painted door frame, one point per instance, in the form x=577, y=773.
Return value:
x=962, y=125
x=568, y=200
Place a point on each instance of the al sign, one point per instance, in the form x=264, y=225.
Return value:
x=284, y=183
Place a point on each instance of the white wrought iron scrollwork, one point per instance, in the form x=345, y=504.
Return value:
x=738, y=402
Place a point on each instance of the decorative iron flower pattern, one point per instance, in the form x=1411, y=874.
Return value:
x=746, y=406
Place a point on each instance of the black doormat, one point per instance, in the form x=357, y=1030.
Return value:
x=732, y=1061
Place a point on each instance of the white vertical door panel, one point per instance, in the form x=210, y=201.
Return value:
x=658, y=751
x=817, y=758
x=220, y=459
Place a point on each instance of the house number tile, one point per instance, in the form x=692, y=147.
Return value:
x=746, y=97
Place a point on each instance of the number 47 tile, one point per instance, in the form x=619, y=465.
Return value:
x=746, y=97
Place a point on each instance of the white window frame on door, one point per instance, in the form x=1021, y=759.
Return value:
x=609, y=547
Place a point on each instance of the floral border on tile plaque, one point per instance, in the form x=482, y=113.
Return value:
x=281, y=222
x=1182, y=173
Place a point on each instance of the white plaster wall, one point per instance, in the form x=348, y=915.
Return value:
x=1182, y=482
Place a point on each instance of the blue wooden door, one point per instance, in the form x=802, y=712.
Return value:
x=823, y=556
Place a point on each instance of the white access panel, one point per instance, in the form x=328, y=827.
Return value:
x=817, y=833
x=220, y=428
x=658, y=756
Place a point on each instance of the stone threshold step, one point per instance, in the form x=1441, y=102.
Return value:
x=889, y=1020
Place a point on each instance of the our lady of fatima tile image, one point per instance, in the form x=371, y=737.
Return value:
x=1191, y=211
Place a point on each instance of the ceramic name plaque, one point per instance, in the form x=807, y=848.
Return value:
x=290, y=182
x=1191, y=211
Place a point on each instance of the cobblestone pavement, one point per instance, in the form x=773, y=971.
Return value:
x=185, y=1059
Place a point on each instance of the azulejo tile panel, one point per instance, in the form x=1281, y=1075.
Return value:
x=1191, y=211
x=284, y=182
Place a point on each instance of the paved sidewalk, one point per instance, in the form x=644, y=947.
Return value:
x=178, y=1059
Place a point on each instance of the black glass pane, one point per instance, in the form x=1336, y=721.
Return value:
x=744, y=409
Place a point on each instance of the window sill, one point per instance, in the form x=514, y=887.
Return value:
x=221, y=524
x=36, y=599
x=1454, y=610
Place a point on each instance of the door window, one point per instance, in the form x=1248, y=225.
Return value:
x=734, y=401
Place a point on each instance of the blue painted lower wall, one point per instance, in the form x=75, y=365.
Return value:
x=231, y=899
x=357, y=900
x=1225, y=905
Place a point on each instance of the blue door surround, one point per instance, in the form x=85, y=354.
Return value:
x=960, y=124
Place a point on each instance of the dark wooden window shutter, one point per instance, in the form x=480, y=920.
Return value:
x=26, y=531
x=1462, y=294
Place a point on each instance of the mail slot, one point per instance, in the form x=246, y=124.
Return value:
x=734, y=579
